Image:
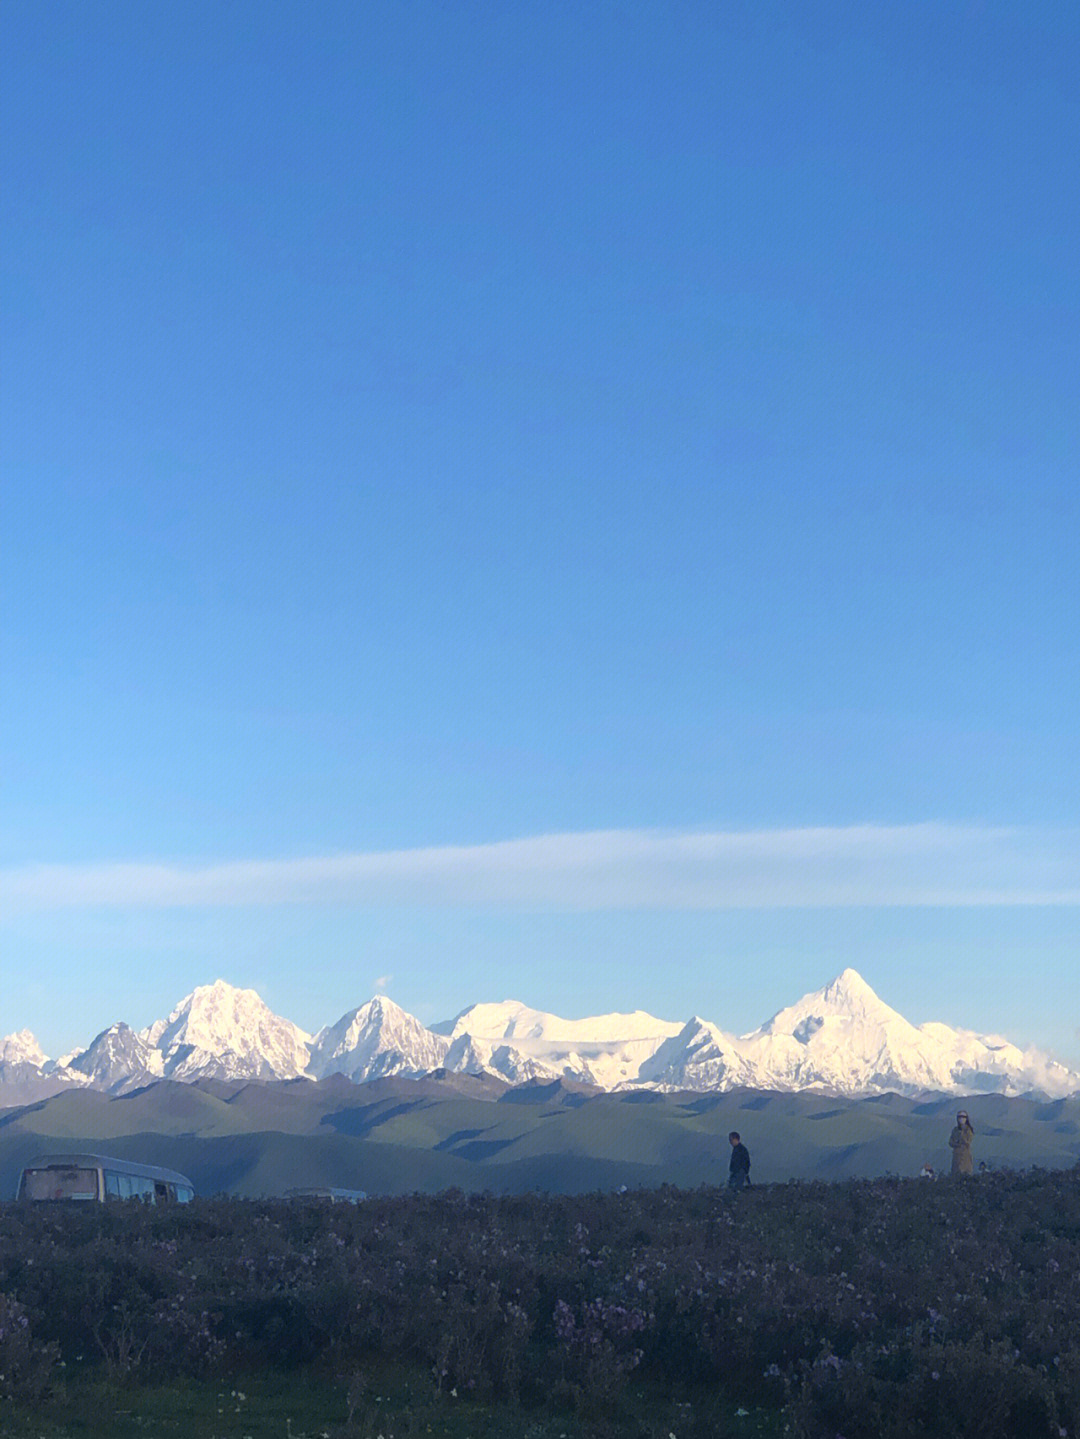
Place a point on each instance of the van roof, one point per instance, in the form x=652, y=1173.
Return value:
x=325, y=1191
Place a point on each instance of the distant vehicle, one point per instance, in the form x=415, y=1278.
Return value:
x=335, y=1196
x=95, y=1178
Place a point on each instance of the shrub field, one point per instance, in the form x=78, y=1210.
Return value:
x=883, y=1309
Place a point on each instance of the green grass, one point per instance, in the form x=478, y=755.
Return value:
x=395, y=1404
x=275, y=1407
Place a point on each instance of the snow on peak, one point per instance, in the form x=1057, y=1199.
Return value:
x=22, y=1048
x=700, y=1056
x=232, y=1033
x=515, y=1021
x=842, y=1038
x=847, y=1040
x=848, y=997
x=522, y=1043
x=118, y=1060
x=850, y=988
x=506, y=1020
x=376, y=1039
x=475, y=1055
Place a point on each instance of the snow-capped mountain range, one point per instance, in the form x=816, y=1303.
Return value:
x=841, y=1039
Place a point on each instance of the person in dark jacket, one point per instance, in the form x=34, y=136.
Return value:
x=739, y=1168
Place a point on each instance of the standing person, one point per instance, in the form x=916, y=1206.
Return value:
x=739, y=1169
x=960, y=1144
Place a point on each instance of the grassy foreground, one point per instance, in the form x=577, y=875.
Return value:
x=884, y=1309
x=308, y=1407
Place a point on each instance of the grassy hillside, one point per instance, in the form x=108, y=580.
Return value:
x=397, y=1136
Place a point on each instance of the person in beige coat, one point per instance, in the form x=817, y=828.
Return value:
x=960, y=1144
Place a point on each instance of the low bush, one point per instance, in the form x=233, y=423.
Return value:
x=870, y=1308
x=26, y=1364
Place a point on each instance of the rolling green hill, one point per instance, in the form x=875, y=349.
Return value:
x=397, y=1136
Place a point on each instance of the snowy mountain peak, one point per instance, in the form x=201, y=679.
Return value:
x=383, y=1007
x=700, y=1056
x=219, y=1012
x=469, y=1055
x=849, y=991
x=848, y=1000
x=230, y=1033
x=118, y=1060
x=376, y=1039
x=22, y=1048
x=515, y=1021
x=491, y=1021
x=376, y=1014
x=520, y=1043
x=842, y=1038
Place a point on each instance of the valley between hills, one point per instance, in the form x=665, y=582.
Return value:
x=476, y=1133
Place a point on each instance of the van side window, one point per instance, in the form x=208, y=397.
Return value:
x=112, y=1184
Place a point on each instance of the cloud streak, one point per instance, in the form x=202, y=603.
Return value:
x=858, y=865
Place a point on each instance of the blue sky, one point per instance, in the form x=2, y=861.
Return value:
x=430, y=427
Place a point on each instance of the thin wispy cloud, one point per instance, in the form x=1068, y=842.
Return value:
x=856, y=865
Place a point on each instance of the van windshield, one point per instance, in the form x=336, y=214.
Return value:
x=60, y=1184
